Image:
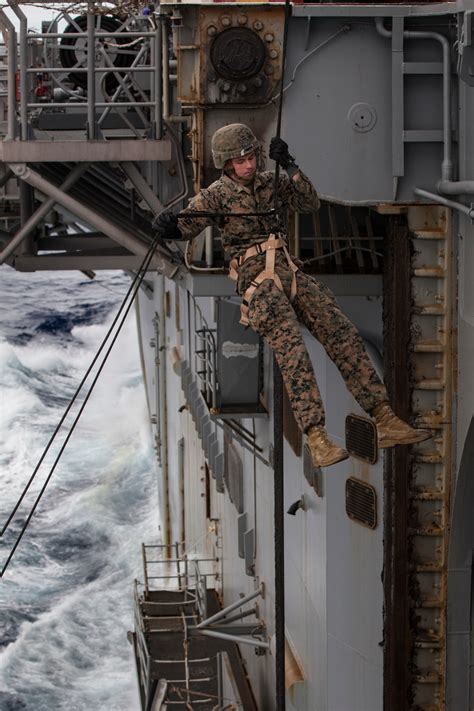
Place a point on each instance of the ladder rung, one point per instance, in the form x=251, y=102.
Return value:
x=430, y=384
x=428, y=347
x=431, y=309
x=433, y=530
x=430, y=234
x=433, y=495
x=432, y=272
x=428, y=645
x=431, y=678
x=428, y=568
x=428, y=602
x=433, y=457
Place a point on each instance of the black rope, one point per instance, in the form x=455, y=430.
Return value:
x=280, y=101
x=134, y=288
x=279, y=524
x=278, y=468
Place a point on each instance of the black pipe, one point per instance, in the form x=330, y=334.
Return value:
x=279, y=524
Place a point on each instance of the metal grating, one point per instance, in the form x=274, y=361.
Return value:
x=361, y=438
x=361, y=502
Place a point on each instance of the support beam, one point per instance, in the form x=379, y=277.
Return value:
x=142, y=187
x=40, y=213
x=92, y=218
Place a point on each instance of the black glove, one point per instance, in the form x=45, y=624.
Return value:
x=279, y=152
x=166, y=226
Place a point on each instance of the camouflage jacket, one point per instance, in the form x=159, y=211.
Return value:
x=226, y=195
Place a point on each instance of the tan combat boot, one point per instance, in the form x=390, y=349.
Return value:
x=391, y=430
x=324, y=452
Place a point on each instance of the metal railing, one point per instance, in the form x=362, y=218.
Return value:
x=205, y=357
x=136, y=78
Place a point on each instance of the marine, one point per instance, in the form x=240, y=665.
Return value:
x=276, y=295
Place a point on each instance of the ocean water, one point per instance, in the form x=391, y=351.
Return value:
x=66, y=601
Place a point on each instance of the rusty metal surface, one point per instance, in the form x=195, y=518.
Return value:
x=398, y=642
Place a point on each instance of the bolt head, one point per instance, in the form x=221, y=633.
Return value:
x=242, y=19
x=269, y=70
x=211, y=30
x=226, y=21
x=273, y=53
x=258, y=25
x=269, y=37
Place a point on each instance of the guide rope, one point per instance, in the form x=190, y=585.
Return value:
x=121, y=314
x=278, y=459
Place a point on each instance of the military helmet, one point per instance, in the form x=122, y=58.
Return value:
x=232, y=141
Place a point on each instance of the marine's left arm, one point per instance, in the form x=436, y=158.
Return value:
x=296, y=189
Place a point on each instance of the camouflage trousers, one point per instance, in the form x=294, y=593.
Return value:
x=277, y=320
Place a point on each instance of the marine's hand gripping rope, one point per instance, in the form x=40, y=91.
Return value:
x=269, y=248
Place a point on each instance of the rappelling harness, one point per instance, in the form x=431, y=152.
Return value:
x=269, y=249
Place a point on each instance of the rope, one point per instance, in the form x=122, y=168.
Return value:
x=279, y=536
x=278, y=468
x=133, y=292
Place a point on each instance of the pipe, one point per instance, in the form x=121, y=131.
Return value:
x=234, y=638
x=230, y=608
x=9, y=35
x=469, y=211
x=279, y=535
x=91, y=132
x=158, y=82
x=460, y=187
x=23, y=68
x=41, y=212
x=96, y=221
x=209, y=244
x=447, y=164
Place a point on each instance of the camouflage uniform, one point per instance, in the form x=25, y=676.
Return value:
x=271, y=313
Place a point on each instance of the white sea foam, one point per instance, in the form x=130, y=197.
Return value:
x=67, y=597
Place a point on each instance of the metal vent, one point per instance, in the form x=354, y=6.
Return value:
x=361, y=502
x=312, y=473
x=361, y=438
x=290, y=427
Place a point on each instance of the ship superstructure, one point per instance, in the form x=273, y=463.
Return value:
x=377, y=106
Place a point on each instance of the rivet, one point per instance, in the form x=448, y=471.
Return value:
x=242, y=88
x=226, y=86
x=258, y=82
x=268, y=69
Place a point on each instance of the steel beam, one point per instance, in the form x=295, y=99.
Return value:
x=77, y=262
x=135, y=150
x=39, y=214
x=142, y=187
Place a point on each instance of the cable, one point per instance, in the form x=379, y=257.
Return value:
x=136, y=285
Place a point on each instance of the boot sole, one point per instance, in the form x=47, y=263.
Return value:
x=335, y=460
x=411, y=440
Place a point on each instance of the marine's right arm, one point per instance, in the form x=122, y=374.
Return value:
x=205, y=201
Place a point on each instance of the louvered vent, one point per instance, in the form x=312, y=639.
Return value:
x=361, y=502
x=361, y=438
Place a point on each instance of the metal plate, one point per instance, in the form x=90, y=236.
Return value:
x=361, y=502
x=361, y=438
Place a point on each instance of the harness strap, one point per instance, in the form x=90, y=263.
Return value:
x=269, y=247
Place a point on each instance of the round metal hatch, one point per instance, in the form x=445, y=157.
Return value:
x=237, y=53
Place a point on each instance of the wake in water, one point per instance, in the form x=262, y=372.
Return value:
x=66, y=598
